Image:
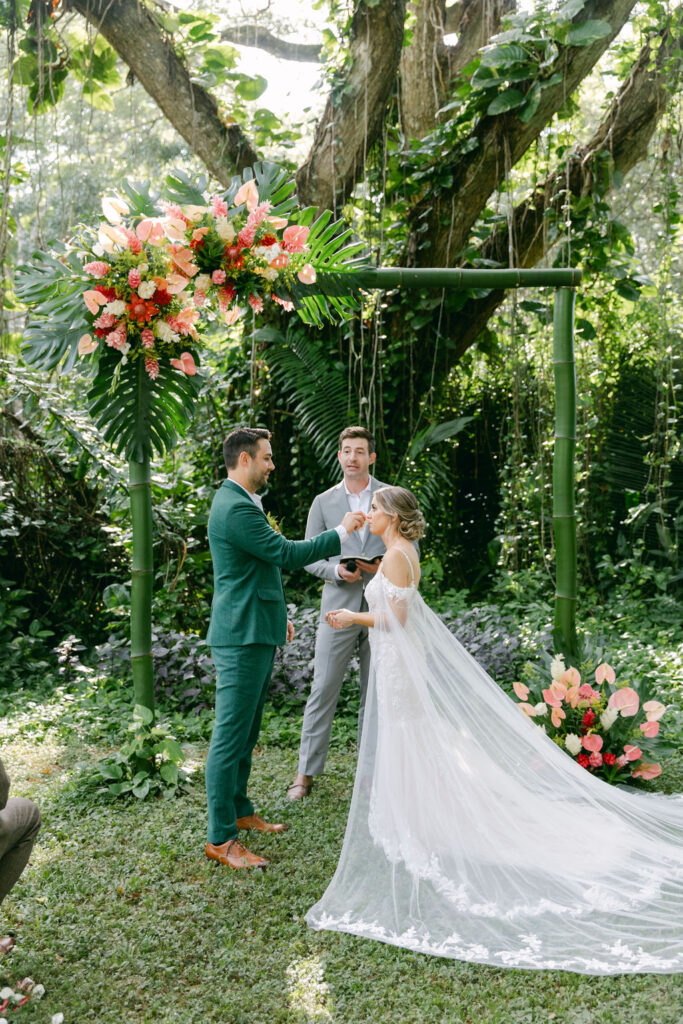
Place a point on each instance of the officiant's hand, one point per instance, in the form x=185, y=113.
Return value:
x=353, y=521
x=290, y=631
x=346, y=576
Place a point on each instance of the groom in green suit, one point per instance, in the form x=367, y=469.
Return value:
x=248, y=621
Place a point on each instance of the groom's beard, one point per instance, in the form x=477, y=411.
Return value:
x=258, y=481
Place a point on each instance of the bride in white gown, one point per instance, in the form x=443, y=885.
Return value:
x=471, y=834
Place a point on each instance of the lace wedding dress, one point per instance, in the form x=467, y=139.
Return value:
x=472, y=835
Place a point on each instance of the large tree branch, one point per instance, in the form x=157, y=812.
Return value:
x=624, y=134
x=353, y=116
x=428, y=65
x=500, y=142
x=134, y=33
x=263, y=39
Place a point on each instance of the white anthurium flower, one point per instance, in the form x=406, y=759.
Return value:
x=113, y=208
x=225, y=229
x=117, y=307
x=202, y=282
x=608, y=718
x=146, y=289
x=541, y=708
x=573, y=743
x=194, y=213
x=557, y=667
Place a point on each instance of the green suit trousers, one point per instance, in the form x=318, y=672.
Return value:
x=242, y=683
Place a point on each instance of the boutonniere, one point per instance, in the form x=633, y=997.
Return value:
x=273, y=523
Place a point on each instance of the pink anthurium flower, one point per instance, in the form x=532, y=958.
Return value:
x=551, y=700
x=174, y=228
x=294, y=238
x=183, y=260
x=176, y=283
x=604, y=672
x=649, y=729
x=654, y=709
x=86, y=345
x=307, y=274
x=94, y=299
x=528, y=709
x=280, y=261
x=647, y=771
x=277, y=223
x=149, y=230
x=556, y=716
x=592, y=742
x=113, y=208
x=632, y=753
x=521, y=690
x=571, y=677
x=233, y=315
x=247, y=193
x=626, y=701
x=186, y=363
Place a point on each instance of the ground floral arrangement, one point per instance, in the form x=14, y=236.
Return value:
x=605, y=727
x=155, y=277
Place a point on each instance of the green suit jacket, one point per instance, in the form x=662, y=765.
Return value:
x=248, y=600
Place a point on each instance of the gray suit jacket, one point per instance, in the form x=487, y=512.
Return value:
x=327, y=511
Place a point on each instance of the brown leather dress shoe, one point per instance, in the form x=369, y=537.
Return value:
x=255, y=823
x=234, y=855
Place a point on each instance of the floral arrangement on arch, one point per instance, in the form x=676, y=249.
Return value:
x=604, y=727
x=153, y=279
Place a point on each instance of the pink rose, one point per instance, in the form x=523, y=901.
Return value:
x=105, y=321
x=586, y=691
x=218, y=277
x=246, y=237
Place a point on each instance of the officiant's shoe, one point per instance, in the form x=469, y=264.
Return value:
x=234, y=855
x=255, y=823
x=300, y=788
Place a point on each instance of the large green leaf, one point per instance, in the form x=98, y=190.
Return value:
x=274, y=185
x=186, y=191
x=53, y=287
x=140, y=415
x=316, y=388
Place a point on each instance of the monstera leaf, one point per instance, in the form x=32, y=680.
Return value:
x=53, y=287
x=138, y=415
x=317, y=389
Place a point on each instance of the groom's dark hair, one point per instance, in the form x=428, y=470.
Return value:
x=348, y=432
x=244, y=439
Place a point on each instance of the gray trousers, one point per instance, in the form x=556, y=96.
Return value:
x=19, y=824
x=334, y=649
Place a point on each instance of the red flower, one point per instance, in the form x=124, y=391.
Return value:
x=161, y=297
x=268, y=240
x=583, y=760
x=141, y=310
x=588, y=719
x=196, y=243
x=609, y=759
x=109, y=293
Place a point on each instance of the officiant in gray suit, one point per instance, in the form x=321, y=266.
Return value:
x=344, y=588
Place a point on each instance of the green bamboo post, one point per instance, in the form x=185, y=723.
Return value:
x=564, y=512
x=142, y=578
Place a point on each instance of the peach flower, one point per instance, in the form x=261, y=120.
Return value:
x=86, y=345
x=592, y=742
x=632, y=753
x=294, y=238
x=626, y=701
x=647, y=771
x=649, y=729
x=521, y=690
x=571, y=677
x=247, y=193
x=94, y=299
x=604, y=672
x=556, y=716
x=186, y=363
x=654, y=709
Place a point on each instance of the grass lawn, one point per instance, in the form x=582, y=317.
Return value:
x=121, y=918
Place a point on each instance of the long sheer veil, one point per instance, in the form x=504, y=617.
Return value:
x=472, y=835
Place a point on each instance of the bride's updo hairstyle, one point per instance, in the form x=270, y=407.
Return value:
x=402, y=503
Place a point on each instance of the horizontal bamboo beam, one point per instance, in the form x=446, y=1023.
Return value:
x=454, y=277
